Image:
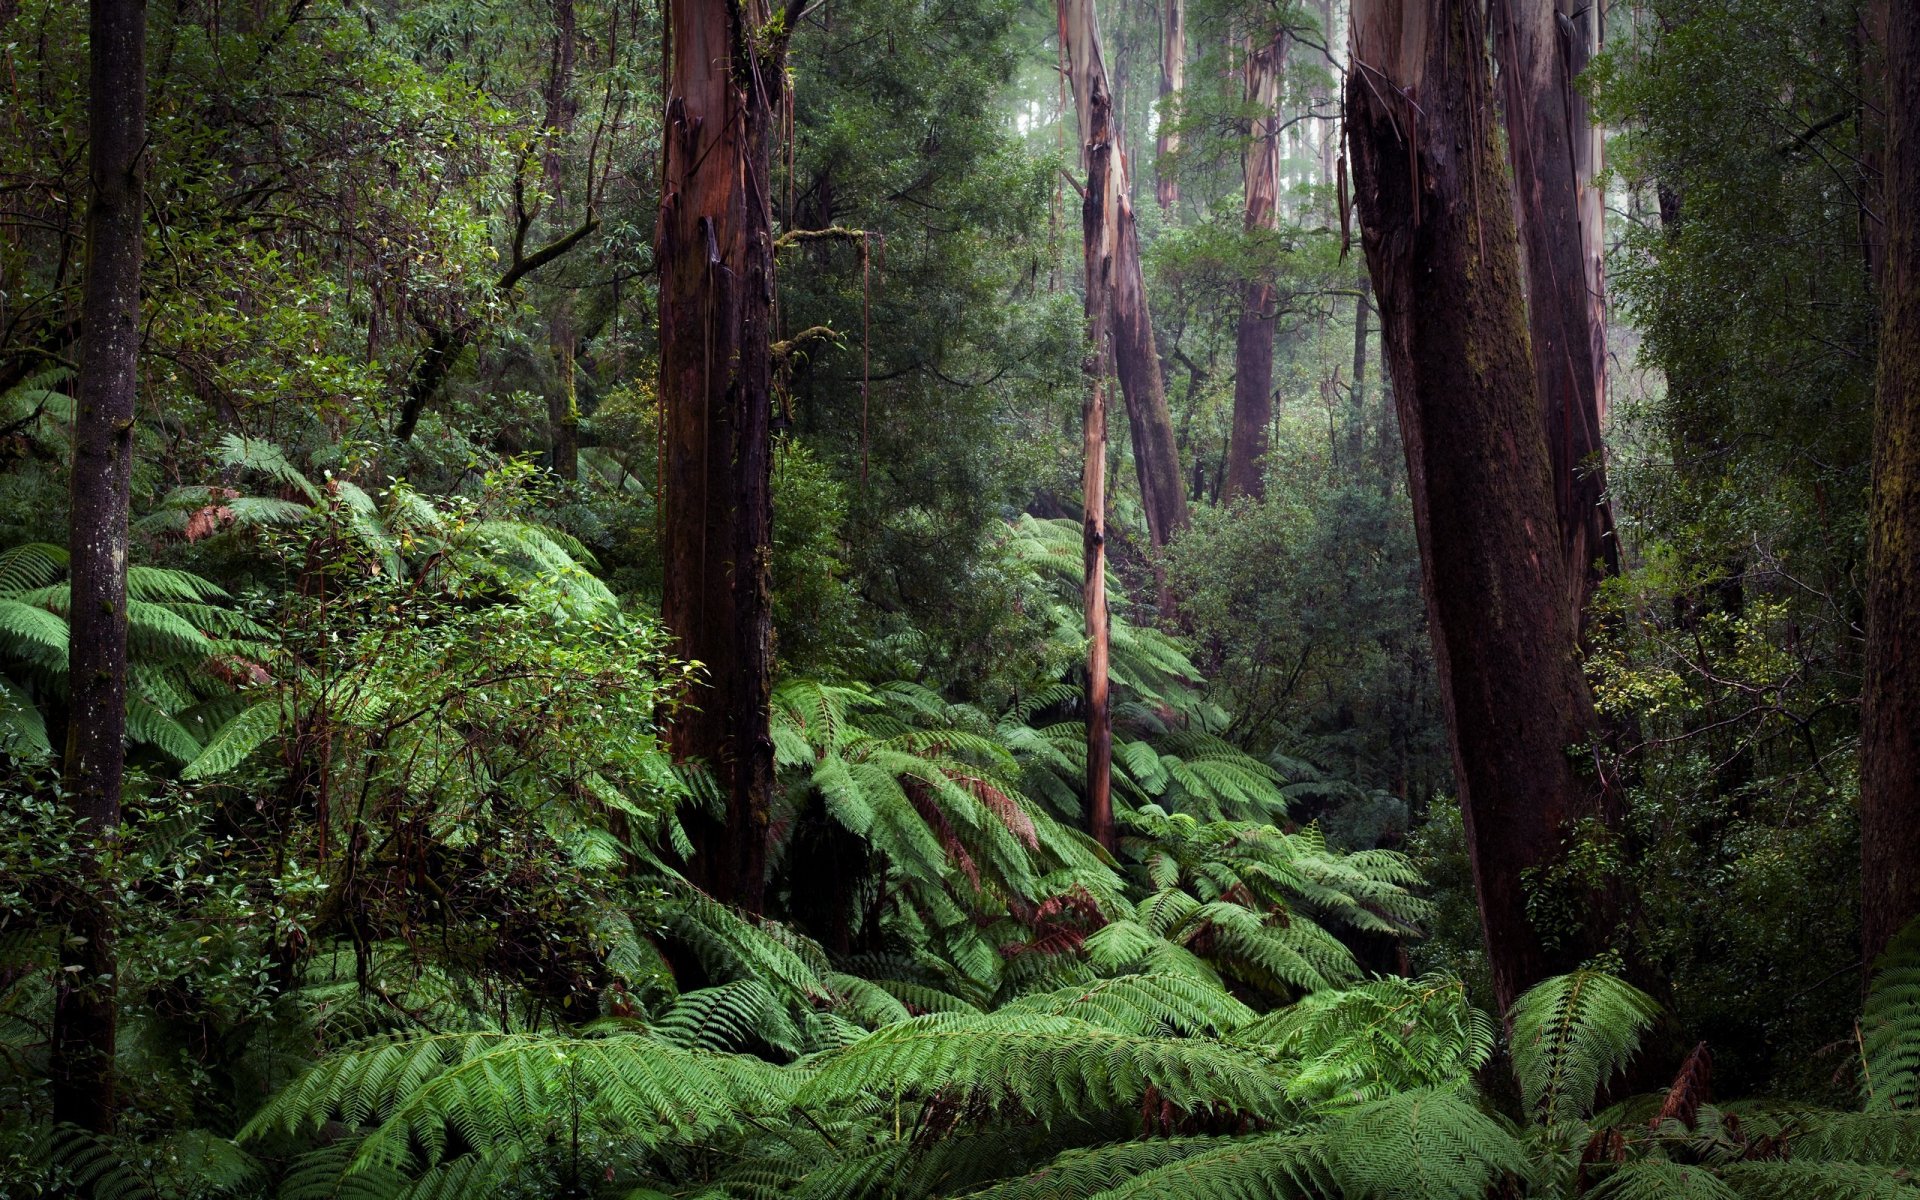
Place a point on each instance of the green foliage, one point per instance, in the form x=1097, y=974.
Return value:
x=1890, y=1027
x=1571, y=1034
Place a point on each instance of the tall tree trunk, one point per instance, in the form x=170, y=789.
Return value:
x=1173, y=81
x=1253, y=341
x=563, y=405
x=1551, y=142
x=1357, y=393
x=1437, y=223
x=1890, y=697
x=1098, y=230
x=715, y=260
x=81, y=1055
x=563, y=409
x=1136, y=361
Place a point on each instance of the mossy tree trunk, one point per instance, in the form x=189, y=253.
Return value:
x=1437, y=223
x=1890, y=697
x=80, y=1061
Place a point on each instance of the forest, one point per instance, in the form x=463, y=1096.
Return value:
x=1049, y=599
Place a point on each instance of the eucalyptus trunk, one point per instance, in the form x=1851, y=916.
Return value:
x=1173, y=81
x=1253, y=339
x=81, y=1054
x=1890, y=697
x=715, y=258
x=1437, y=223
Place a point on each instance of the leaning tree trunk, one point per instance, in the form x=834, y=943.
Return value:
x=1437, y=223
x=715, y=259
x=1098, y=232
x=1253, y=341
x=1173, y=81
x=80, y=1060
x=1890, y=697
x=1554, y=151
x=1135, y=358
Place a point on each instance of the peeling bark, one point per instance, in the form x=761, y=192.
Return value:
x=1136, y=360
x=1098, y=234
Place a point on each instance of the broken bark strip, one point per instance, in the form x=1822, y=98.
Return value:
x=1098, y=233
x=1135, y=358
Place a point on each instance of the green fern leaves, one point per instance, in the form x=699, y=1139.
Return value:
x=1570, y=1035
x=1890, y=1027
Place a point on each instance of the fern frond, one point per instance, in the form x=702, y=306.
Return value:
x=1890, y=1026
x=1570, y=1035
x=1043, y=1065
x=235, y=740
x=1658, y=1179
x=1421, y=1145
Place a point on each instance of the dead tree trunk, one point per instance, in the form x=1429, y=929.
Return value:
x=715, y=256
x=1098, y=234
x=1437, y=223
x=1173, y=81
x=80, y=1060
x=1136, y=360
x=1890, y=696
x=1555, y=155
x=1253, y=340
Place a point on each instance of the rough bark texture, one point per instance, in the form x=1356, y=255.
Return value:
x=1135, y=358
x=1357, y=392
x=80, y=1061
x=1253, y=339
x=1098, y=230
x=1890, y=699
x=1437, y=223
x=1173, y=81
x=1543, y=46
x=715, y=260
